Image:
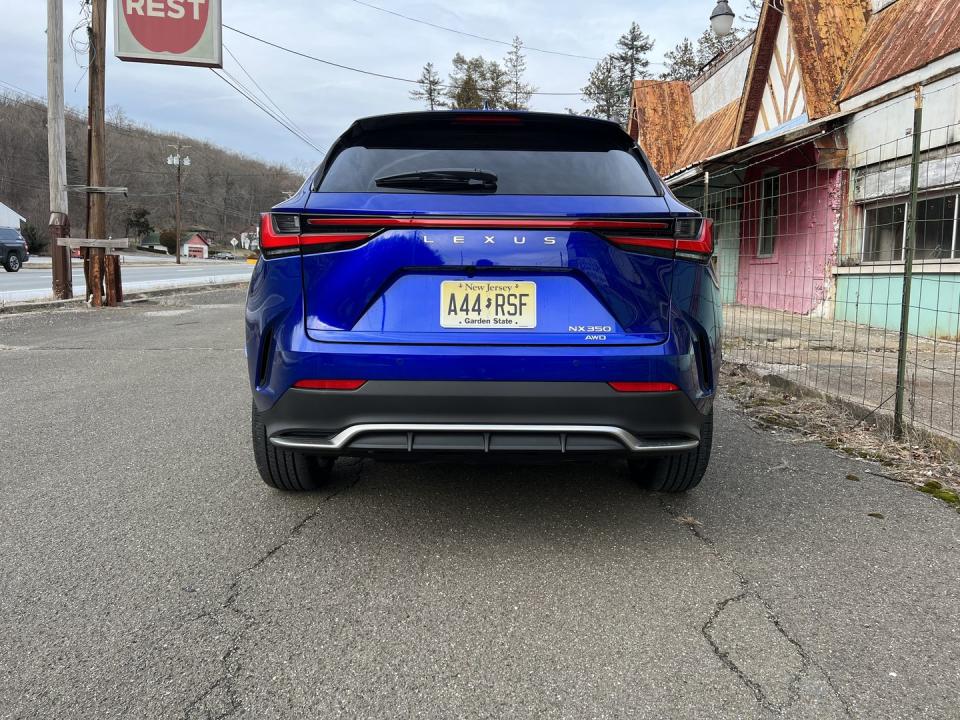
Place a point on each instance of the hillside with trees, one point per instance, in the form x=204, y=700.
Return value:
x=223, y=192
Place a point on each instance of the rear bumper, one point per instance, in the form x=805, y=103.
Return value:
x=435, y=417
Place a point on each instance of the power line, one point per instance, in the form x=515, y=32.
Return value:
x=472, y=35
x=250, y=95
x=265, y=93
x=238, y=86
x=371, y=73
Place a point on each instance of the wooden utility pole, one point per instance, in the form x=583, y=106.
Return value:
x=180, y=161
x=97, y=158
x=57, y=154
x=179, y=201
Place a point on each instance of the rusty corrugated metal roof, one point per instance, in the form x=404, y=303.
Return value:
x=710, y=136
x=825, y=35
x=661, y=118
x=901, y=38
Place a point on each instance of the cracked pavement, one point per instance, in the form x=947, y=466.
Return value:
x=148, y=573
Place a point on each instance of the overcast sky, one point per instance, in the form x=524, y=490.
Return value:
x=321, y=99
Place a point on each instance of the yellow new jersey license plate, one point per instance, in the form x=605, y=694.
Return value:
x=488, y=304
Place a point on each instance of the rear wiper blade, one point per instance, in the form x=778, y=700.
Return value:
x=439, y=180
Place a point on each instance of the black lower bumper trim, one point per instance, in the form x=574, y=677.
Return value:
x=437, y=417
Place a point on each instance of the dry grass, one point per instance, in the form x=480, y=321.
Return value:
x=917, y=460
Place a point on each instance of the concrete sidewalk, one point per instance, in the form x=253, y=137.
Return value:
x=44, y=262
x=856, y=363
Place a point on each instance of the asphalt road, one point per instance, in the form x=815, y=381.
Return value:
x=29, y=284
x=147, y=573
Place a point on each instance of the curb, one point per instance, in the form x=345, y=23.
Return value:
x=18, y=308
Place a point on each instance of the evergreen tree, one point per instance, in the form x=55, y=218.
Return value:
x=631, y=54
x=682, y=62
x=138, y=221
x=466, y=79
x=518, y=91
x=608, y=90
x=494, y=85
x=430, y=88
x=710, y=45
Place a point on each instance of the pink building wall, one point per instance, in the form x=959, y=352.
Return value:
x=795, y=278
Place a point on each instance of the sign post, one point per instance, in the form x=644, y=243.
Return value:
x=172, y=32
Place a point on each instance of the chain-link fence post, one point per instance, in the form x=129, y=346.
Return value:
x=908, y=253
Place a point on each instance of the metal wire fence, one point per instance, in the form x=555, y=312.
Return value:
x=821, y=257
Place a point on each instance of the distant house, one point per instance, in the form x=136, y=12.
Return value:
x=153, y=244
x=9, y=218
x=796, y=138
x=196, y=247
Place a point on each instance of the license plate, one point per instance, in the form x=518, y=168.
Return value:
x=493, y=304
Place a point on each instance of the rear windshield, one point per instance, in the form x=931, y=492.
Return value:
x=529, y=153
x=518, y=171
x=9, y=234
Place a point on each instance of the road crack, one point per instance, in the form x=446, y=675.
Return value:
x=750, y=593
x=229, y=662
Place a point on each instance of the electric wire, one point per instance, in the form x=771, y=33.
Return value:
x=370, y=73
x=240, y=88
x=265, y=94
x=472, y=35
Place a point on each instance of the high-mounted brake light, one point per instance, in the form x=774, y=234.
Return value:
x=487, y=119
x=641, y=387
x=329, y=384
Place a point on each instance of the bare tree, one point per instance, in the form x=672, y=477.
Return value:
x=429, y=88
x=518, y=90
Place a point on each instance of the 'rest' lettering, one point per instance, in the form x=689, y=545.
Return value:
x=173, y=9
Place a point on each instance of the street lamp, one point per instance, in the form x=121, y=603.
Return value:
x=721, y=19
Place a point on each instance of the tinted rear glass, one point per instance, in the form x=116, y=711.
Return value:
x=519, y=172
x=530, y=153
x=9, y=234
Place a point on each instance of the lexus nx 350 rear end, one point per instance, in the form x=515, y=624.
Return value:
x=483, y=284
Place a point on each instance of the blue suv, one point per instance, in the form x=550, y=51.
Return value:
x=452, y=284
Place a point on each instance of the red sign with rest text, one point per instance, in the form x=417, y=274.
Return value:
x=183, y=32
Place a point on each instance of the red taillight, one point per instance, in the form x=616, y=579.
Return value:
x=272, y=241
x=642, y=387
x=280, y=234
x=701, y=245
x=329, y=384
x=692, y=238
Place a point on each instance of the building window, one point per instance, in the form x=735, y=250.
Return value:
x=885, y=230
x=936, y=220
x=769, y=215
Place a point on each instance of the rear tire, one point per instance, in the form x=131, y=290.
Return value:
x=12, y=263
x=285, y=469
x=676, y=473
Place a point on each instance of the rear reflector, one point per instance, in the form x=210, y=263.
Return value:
x=640, y=387
x=329, y=384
